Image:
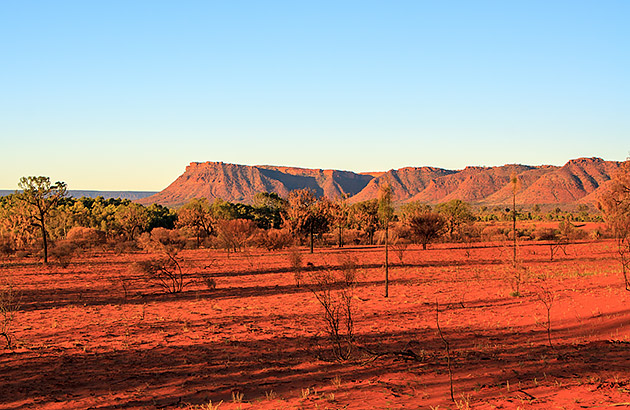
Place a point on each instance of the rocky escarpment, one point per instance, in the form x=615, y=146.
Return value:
x=578, y=180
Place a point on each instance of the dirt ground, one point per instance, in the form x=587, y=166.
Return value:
x=96, y=335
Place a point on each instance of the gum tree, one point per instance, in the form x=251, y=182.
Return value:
x=615, y=203
x=385, y=216
x=197, y=215
x=40, y=198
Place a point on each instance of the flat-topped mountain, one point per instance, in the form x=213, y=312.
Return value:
x=577, y=181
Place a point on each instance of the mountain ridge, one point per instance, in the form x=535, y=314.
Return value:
x=577, y=181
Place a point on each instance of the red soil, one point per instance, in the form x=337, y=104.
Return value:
x=81, y=344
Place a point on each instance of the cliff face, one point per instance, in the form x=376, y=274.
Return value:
x=578, y=180
x=240, y=183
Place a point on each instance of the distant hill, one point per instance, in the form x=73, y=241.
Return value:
x=578, y=181
x=131, y=195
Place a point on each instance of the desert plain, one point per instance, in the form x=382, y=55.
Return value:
x=95, y=334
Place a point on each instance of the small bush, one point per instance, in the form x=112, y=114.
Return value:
x=546, y=234
x=63, y=252
x=296, y=264
x=334, y=290
x=492, y=234
x=166, y=272
x=86, y=237
x=121, y=246
x=209, y=281
x=167, y=237
x=275, y=239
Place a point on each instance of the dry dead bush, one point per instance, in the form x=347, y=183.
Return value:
x=334, y=290
x=165, y=270
x=9, y=305
x=517, y=275
x=352, y=236
x=296, y=264
x=546, y=295
x=207, y=278
x=399, y=245
x=209, y=281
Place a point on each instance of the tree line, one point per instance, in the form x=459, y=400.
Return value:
x=42, y=212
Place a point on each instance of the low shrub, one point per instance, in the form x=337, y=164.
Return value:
x=63, y=252
x=274, y=239
x=164, y=270
x=86, y=237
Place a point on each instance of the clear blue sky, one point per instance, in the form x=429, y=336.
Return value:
x=122, y=95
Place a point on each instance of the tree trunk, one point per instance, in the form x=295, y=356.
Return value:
x=45, y=240
x=311, y=235
x=340, y=237
x=514, y=227
x=386, y=261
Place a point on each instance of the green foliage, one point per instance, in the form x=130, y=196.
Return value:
x=385, y=208
x=160, y=217
x=425, y=225
x=456, y=213
x=268, y=210
x=197, y=215
x=306, y=215
x=40, y=197
x=132, y=219
x=412, y=208
x=615, y=204
x=364, y=216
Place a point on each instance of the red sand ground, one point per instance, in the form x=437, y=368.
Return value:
x=82, y=345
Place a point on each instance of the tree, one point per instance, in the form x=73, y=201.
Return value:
x=305, y=215
x=235, y=233
x=339, y=215
x=268, y=210
x=224, y=210
x=197, y=215
x=456, y=212
x=160, y=217
x=364, y=216
x=298, y=214
x=16, y=230
x=516, y=184
x=132, y=218
x=615, y=203
x=41, y=197
x=385, y=216
x=425, y=225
